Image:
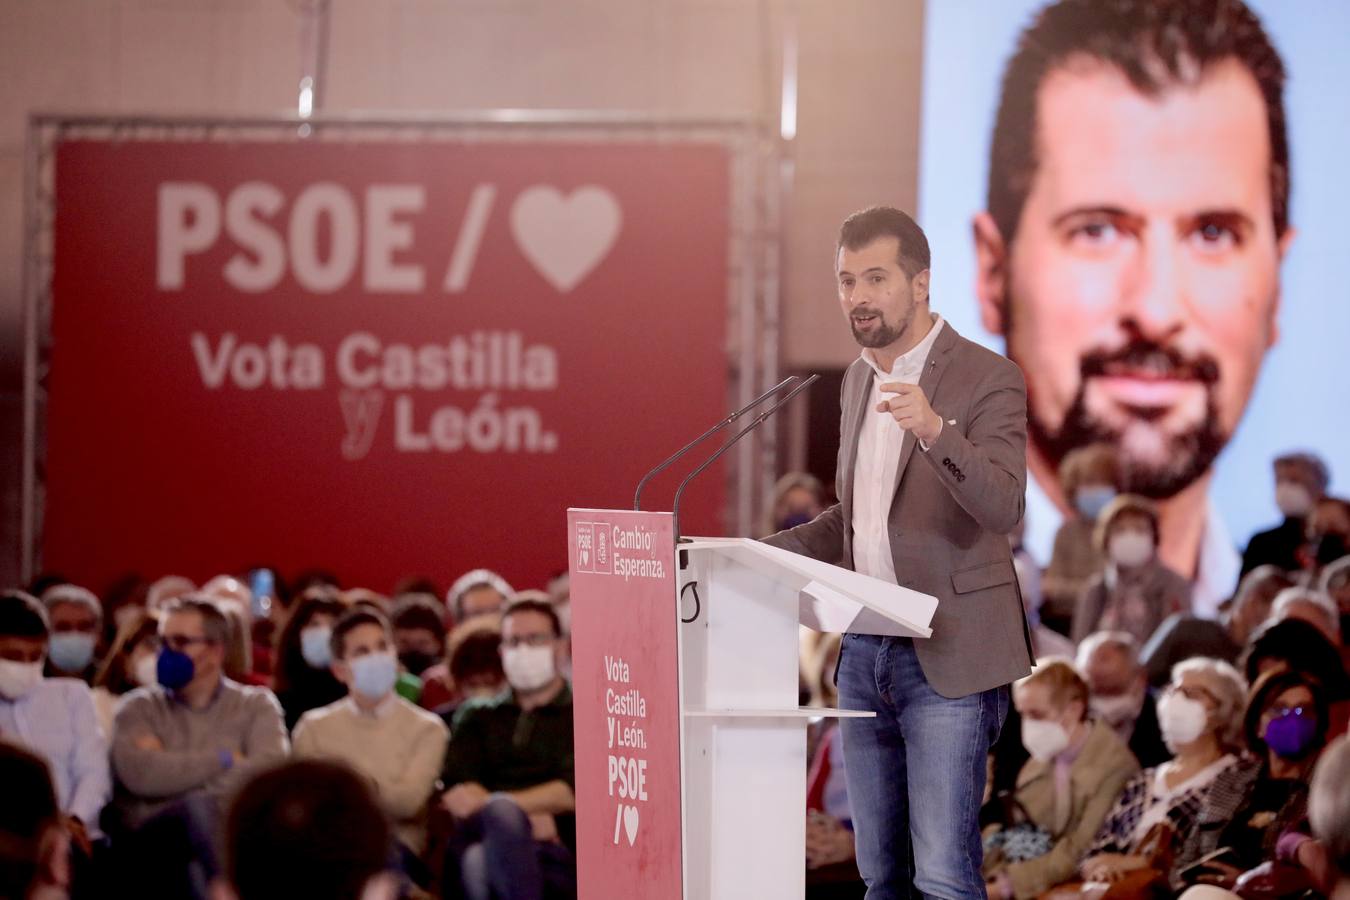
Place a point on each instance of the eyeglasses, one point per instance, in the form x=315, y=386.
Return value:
x=1198, y=694
x=181, y=642
x=1284, y=712
x=529, y=640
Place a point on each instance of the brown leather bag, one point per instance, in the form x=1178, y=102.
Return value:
x=1147, y=883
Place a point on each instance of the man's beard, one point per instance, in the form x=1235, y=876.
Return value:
x=1186, y=456
x=883, y=335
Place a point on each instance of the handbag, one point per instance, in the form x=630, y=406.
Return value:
x=1017, y=837
x=1146, y=883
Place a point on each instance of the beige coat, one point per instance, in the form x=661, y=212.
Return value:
x=1095, y=780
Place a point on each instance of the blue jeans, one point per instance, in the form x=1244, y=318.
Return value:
x=494, y=856
x=915, y=773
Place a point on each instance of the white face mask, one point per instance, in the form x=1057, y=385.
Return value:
x=528, y=668
x=1181, y=719
x=1044, y=740
x=1115, y=710
x=146, y=670
x=17, y=679
x=1293, y=499
x=1130, y=548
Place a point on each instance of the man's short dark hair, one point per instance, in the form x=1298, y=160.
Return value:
x=476, y=654
x=419, y=611
x=351, y=619
x=1156, y=44
x=307, y=828
x=1310, y=463
x=537, y=606
x=28, y=811
x=876, y=222
x=21, y=615
x=215, y=626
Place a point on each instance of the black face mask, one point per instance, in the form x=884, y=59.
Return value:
x=417, y=662
x=1329, y=548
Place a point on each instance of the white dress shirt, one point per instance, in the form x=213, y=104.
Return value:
x=875, y=470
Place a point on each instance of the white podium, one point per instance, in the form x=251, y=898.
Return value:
x=743, y=735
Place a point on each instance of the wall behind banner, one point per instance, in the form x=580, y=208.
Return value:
x=856, y=140
x=377, y=358
x=1300, y=397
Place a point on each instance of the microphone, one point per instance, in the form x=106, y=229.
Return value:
x=637, y=496
x=759, y=419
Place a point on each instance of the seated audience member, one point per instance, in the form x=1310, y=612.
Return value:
x=1298, y=645
x=509, y=773
x=166, y=590
x=1301, y=480
x=1301, y=646
x=419, y=636
x=302, y=679
x=181, y=747
x=1075, y=773
x=1335, y=583
x=1311, y=606
x=1135, y=591
x=399, y=747
x=52, y=717
x=76, y=617
x=1183, y=636
x=251, y=661
x=1329, y=815
x=308, y=828
x=239, y=644
x=559, y=590
x=1327, y=534
x=34, y=844
x=1251, y=805
x=1090, y=478
x=1044, y=641
x=480, y=592
x=832, y=868
x=131, y=663
x=798, y=497
x=359, y=596
x=1118, y=694
x=475, y=665
x=1201, y=716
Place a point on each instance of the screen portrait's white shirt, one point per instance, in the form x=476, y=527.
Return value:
x=874, y=471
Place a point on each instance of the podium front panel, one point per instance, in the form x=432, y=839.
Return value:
x=625, y=670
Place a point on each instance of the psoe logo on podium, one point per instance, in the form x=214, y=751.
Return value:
x=586, y=546
x=602, y=563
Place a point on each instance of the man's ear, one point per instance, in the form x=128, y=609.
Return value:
x=991, y=273
x=919, y=285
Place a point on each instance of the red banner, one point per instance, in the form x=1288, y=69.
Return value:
x=380, y=358
x=626, y=695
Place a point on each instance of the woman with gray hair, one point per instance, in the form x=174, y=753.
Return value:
x=1200, y=713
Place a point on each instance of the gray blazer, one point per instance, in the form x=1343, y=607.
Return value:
x=953, y=507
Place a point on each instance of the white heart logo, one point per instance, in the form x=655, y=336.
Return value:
x=585, y=558
x=630, y=823
x=564, y=238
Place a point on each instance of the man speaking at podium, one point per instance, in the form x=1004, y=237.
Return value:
x=932, y=473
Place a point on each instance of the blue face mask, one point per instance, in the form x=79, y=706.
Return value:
x=1090, y=501
x=71, y=651
x=174, y=669
x=315, y=646
x=374, y=674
